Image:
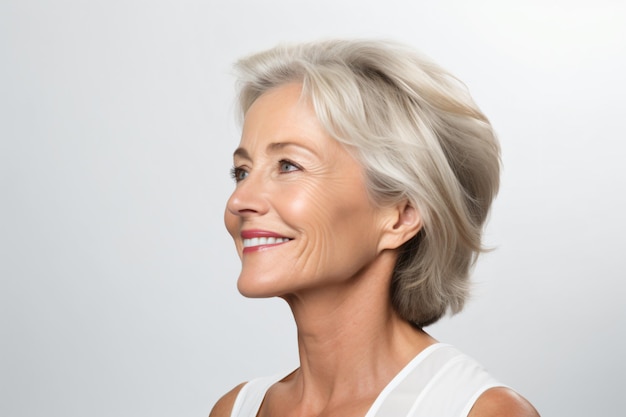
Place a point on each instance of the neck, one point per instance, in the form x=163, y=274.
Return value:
x=350, y=339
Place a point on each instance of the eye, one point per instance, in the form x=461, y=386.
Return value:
x=288, y=166
x=238, y=173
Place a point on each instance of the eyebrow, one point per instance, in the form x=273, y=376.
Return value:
x=280, y=145
x=272, y=147
x=242, y=153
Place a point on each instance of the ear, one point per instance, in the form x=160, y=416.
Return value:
x=403, y=222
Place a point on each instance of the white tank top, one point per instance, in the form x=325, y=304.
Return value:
x=439, y=382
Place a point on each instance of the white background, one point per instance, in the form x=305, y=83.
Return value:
x=117, y=291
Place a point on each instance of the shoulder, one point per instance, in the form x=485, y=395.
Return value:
x=502, y=402
x=224, y=406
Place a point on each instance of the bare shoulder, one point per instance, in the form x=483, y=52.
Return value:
x=502, y=402
x=224, y=406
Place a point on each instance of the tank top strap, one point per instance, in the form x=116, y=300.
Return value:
x=251, y=396
x=440, y=381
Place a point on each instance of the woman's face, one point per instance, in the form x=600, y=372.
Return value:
x=300, y=214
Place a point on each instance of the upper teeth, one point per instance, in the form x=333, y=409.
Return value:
x=258, y=241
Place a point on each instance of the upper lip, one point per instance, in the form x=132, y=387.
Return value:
x=250, y=234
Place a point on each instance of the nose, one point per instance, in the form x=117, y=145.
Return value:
x=249, y=198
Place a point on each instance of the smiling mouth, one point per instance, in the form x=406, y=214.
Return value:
x=263, y=241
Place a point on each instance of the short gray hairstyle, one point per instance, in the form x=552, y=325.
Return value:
x=420, y=138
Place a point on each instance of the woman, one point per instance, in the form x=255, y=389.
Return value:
x=364, y=176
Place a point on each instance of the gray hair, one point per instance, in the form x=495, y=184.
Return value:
x=420, y=138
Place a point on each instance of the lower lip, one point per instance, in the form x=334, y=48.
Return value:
x=251, y=249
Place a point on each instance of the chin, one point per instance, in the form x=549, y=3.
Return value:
x=253, y=287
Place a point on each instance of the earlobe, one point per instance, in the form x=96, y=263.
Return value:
x=405, y=223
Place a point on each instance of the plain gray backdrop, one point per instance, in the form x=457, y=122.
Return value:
x=117, y=291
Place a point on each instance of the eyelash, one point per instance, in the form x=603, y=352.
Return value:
x=236, y=171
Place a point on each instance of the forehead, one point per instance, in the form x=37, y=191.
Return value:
x=283, y=115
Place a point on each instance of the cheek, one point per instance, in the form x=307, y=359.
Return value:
x=311, y=207
x=335, y=221
x=306, y=208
